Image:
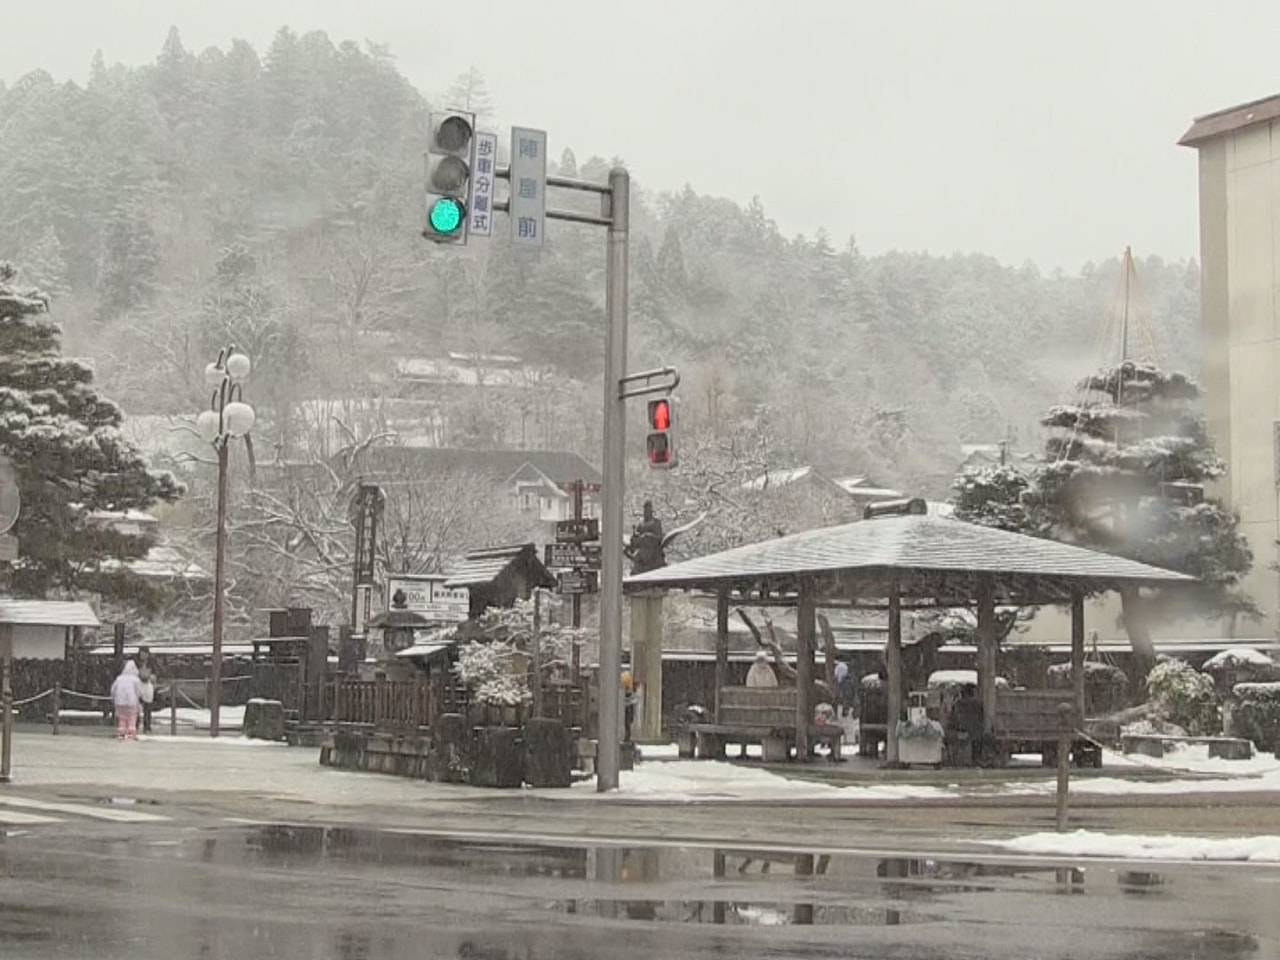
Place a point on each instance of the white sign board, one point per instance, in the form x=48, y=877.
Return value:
x=364, y=607
x=480, y=209
x=428, y=596
x=528, y=186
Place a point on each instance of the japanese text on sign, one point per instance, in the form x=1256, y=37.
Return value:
x=480, y=210
x=528, y=185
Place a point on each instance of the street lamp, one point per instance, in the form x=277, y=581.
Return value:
x=228, y=416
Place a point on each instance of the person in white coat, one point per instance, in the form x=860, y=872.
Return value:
x=761, y=673
x=126, y=695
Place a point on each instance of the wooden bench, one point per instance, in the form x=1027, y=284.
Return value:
x=1029, y=721
x=753, y=715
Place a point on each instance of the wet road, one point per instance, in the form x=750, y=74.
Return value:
x=172, y=890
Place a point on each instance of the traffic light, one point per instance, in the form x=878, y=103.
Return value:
x=450, y=158
x=660, y=447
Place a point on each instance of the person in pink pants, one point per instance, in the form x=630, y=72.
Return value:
x=126, y=695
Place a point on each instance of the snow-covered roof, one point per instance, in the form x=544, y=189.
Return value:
x=161, y=563
x=930, y=550
x=47, y=613
x=123, y=516
x=860, y=487
x=176, y=649
x=423, y=649
x=777, y=478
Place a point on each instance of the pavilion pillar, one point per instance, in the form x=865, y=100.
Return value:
x=1077, y=652
x=893, y=667
x=987, y=645
x=646, y=664
x=806, y=621
x=722, y=646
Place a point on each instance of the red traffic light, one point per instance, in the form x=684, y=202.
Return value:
x=660, y=414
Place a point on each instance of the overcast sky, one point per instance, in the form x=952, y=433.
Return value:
x=1019, y=128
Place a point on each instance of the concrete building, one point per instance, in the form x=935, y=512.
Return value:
x=1239, y=154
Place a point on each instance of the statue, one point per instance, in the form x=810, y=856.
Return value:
x=647, y=546
x=647, y=549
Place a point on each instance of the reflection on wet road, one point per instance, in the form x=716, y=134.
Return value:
x=347, y=894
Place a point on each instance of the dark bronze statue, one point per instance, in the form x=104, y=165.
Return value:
x=647, y=545
x=647, y=549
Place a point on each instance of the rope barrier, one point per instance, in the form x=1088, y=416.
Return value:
x=183, y=694
x=87, y=696
x=38, y=696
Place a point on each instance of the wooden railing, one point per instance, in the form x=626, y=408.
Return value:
x=399, y=704
x=383, y=703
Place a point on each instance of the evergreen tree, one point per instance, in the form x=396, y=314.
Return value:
x=70, y=458
x=1124, y=473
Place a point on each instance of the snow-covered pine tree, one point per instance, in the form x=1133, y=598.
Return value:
x=70, y=458
x=1124, y=473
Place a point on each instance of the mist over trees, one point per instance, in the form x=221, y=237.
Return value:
x=273, y=198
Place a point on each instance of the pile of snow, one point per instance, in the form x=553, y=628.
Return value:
x=1150, y=727
x=1238, y=656
x=941, y=678
x=1087, y=843
x=694, y=780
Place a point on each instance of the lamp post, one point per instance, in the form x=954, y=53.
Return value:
x=228, y=416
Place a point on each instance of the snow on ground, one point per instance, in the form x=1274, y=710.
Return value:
x=660, y=776
x=1087, y=843
x=229, y=718
x=693, y=780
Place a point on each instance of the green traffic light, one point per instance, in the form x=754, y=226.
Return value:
x=445, y=216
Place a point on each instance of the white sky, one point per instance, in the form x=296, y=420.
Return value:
x=1020, y=128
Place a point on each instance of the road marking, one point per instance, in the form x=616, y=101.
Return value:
x=13, y=817
x=79, y=810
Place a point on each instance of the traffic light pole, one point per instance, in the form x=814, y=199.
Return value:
x=609, y=753
x=616, y=216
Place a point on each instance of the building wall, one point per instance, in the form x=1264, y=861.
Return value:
x=1239, y=234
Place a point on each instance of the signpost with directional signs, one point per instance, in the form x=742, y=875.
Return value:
x=577, y=531
x=570, y=555
x=577, y=582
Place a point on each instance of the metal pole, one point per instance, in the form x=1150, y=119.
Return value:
x=609, y=757
x=577, y=515
x=6, y=702
x=537, y=652
x=1064, y=762
x=219, y=563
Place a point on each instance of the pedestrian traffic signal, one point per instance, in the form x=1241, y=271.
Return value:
x=660, y=447
x=450, y=159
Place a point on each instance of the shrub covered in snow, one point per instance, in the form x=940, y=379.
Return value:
x=1256, y=714
x=1185, y=696
x=488, y=671
x=1106, y=687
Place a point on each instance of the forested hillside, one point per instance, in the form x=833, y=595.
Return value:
x=273, y=198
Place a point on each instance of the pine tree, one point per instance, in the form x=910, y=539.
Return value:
x=1124, y=473
x=71, y=460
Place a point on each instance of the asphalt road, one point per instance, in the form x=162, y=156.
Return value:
x=168, y=883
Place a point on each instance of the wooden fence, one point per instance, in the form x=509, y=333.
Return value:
x=408, y=705
x=383, y=703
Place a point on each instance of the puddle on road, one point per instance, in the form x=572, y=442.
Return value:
x=495, y=900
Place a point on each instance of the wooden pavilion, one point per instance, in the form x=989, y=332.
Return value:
x=901, y=562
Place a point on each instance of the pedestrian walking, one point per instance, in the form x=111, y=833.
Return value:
x=147, y=674
x=126, y=695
